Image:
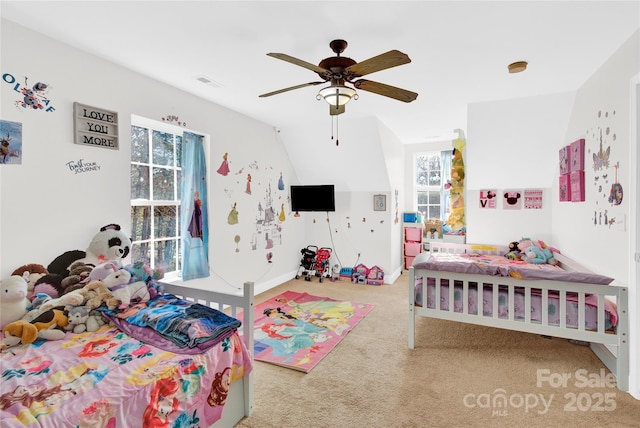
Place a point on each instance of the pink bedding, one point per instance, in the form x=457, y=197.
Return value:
x=499, y=265
x=108, y=379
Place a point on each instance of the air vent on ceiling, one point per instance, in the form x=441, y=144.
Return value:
x=208, y=81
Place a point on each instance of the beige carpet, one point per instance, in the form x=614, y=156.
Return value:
x=371, y=379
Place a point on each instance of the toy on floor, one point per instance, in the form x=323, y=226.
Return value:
x=375, y=276
x=360, y=273
x=335, y=272
x=307, y=262
x=321, y=267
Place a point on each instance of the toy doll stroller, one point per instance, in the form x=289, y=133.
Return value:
x=322, y=268
x=307, y=262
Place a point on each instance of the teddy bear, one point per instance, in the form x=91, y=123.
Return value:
x=78, y=274
x=31, y=273
x=110, y=243
x=96, y=294
x=13, y=299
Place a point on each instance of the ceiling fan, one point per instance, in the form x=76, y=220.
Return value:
x=339, y=70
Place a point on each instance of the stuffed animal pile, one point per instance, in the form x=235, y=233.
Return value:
x=46, y=303
x=530, y=251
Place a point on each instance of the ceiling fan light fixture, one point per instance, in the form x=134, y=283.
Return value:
x=337, y=94
x=517, y=67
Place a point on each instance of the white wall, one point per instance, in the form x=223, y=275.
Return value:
x=355, y=228
x=634, y=270
x=393, y=151
x=46, y=209
x=513, y=145
x=603, y=104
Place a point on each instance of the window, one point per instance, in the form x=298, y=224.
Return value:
x=156, y=175
x=431, y=176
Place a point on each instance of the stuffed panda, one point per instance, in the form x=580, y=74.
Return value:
x=110, y=243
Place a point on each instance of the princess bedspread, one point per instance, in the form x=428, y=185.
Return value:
x=109, y=379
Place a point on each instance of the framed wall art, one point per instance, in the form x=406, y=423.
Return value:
x=379, y=202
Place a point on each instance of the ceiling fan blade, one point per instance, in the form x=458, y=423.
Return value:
x=383, y=61
x=385, y=90
x=336, y=110
x=301, y=63
x=291, y=88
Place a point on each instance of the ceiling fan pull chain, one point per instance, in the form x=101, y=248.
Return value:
x=336, y=118
x=331, y=117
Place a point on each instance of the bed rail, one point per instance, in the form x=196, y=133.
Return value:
x=600, y=338
x=238, y=306
x=454, y=248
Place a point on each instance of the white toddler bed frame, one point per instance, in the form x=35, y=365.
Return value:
x=600, y=341
x=240, y=398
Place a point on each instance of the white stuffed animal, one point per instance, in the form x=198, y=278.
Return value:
x=118, y=283
x=13, y=300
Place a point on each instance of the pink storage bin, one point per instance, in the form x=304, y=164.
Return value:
x=412, y=248
x=408, y=261
x=413, y=234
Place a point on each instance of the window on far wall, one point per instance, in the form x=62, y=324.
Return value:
x=432, y=170
x=156, y=174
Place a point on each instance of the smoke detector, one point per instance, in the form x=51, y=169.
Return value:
x=517, y=67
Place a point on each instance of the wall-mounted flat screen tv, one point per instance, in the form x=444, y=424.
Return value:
x=313, y=198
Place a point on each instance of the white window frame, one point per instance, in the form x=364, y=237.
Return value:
x=430, y=188
x=154, y=125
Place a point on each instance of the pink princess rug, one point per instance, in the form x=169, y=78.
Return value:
x=297, y=330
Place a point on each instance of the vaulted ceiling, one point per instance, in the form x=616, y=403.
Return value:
x=459, y=50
